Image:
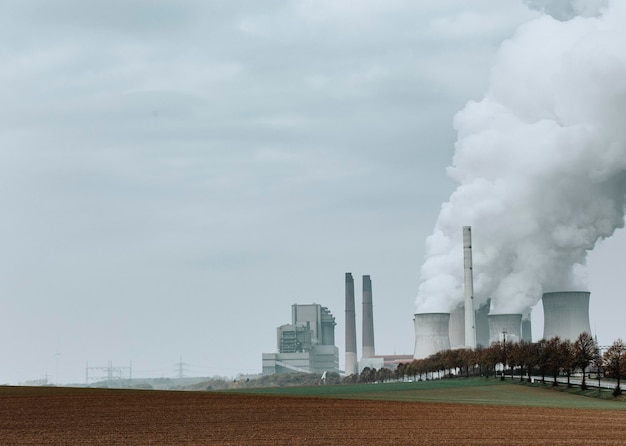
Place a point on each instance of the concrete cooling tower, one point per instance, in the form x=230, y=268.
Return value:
x=527, y=332
x=501, y=325
x=457, y=327
x=431, y=334
x=565, y=314
x=482, y=324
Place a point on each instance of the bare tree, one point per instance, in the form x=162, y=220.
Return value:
x=552, y=355
x=493, y=356
x=516, y=358
x=531, y=356
x=598, y=363
x=567, y=354
x=586, y=351
x=615, y=363
x=543, y=355
x=524, y=355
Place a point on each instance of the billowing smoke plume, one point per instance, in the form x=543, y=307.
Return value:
x=540, y=164
x=568, y=9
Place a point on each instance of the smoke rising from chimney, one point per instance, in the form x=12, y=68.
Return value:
x=540, y=164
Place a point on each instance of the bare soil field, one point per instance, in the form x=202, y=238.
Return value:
x=63, y=416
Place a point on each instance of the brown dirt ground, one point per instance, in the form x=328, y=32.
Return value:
x=61, y=416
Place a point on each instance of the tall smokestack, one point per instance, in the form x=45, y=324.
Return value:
x=368, y=319
x=470, y=323
x=351, y=357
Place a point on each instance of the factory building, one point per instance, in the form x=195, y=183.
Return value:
x=305, y=345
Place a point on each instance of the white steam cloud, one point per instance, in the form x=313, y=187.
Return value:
x=540, y=164
x=568, y=9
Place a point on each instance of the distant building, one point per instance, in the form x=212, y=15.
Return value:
x=390, y=362
x=305, y=345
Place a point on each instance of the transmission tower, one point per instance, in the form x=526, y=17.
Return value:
x=180, y=367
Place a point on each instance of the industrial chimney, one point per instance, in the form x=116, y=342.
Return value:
x=431, y=334
x=565, y=314
x=368, y=319
x=351, y=356
x=503, y=326
x=470, y=323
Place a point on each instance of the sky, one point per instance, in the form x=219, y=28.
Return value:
x=175, y=175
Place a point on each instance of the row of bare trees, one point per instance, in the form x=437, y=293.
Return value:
x=371, y=375
x=552, y=357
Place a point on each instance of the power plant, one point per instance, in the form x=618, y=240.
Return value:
x=308, y=343
x=566, y=314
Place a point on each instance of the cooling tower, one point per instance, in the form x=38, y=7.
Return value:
x=565, y=314
x=368, y=319
x=457, y=327
x=505, y=325
x=468, y=289
x=527, y=333
x=431, y=334
x=482, y=324
x=351, y=356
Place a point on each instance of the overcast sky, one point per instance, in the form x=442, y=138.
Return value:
x=175, y=175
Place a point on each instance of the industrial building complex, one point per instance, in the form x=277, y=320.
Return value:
x=566, y=315
x=307, y=344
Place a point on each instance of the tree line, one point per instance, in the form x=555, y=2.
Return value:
x=553, y=358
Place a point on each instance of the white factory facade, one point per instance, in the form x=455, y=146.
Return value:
x=307, y=344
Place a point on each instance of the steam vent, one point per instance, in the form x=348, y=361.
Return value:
x=431, y=334
x=565, y=314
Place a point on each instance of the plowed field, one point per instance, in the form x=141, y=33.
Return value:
x=59, y=416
